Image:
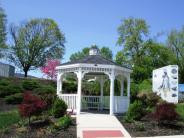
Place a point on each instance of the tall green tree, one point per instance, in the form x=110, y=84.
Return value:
x=132, y=34
x=175, y=42
x=34, y=42
x=2, y=31
x=155, y=55
x=104, y=51
x=120, y=58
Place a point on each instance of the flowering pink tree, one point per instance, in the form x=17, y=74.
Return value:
x=50, y=68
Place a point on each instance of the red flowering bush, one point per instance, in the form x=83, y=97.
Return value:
x=31, y=105
x=165, y=112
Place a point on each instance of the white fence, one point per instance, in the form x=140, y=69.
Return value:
x=70, y=100
x=121, y=103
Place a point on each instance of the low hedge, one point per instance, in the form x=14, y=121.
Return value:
x=14, y=99
x=10, y=90
x=30, y=84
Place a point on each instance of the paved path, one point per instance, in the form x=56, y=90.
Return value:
x=100, y=125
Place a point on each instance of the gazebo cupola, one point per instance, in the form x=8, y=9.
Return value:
x=101, y=68
x=94, y=51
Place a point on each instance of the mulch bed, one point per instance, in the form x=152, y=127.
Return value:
x=40, y=130
x=151, y=128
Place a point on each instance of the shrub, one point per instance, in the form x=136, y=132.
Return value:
x=4, y=82
x=134, y=89
x=31, y=105
x=45, y=89
x=30, y=84
x=14, y=99
x=59, y=108
x=149, y=99
x=10, y=89
x=135, y=111
x=69, y=87
x=145, y=86
x=63, y=122
x=165, y=112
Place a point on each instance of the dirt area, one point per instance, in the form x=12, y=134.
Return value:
x=148, y=127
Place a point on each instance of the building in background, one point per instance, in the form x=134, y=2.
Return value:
x=7, y=70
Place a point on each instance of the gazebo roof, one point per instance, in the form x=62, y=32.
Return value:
x=95, y=60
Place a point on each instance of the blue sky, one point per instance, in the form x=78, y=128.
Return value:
x=86, y=22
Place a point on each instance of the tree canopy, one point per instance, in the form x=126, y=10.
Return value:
x=34, y=42
x=175, y=42
x=2, y=31
x=104, y=51
x=142, y=52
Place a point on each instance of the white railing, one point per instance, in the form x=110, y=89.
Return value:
x=70, y=100
x=121, y=103
x=91, y=102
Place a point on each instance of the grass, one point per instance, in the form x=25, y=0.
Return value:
x=180, y=110
x=9, y=118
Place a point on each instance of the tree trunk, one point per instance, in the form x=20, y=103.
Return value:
x=25, y=73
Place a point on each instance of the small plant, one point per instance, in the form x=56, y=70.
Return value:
x=31, y=105
x=63, y=122
x=139, y=126
x=59, y=108
x=30, y=84
x=165, y=112
x=14, y=99
x=135, y=111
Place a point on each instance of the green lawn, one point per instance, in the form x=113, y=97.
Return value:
x=180, y=110
x=8, y=118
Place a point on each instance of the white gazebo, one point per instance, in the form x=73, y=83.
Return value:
x=102, y=69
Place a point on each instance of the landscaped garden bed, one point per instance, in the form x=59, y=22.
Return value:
x=148, y=115
x=34, y=112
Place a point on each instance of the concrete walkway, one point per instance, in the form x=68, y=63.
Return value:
x=174, y=136
x=99, y=125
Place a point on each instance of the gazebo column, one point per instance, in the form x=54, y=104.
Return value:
x=122, y=87
x=128, y=86
x=112, y=77
x=59, y=84
x=79, y=89
x=101, y=92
